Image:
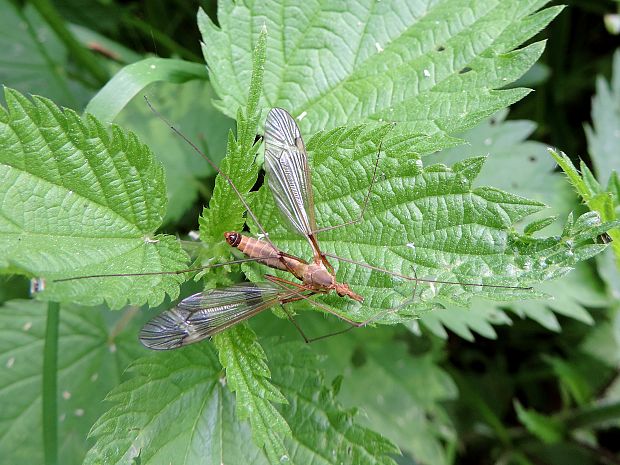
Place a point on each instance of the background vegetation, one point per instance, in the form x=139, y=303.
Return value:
x=527, y=378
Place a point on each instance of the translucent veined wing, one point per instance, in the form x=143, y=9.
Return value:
x=202, y=315
x=286, y=164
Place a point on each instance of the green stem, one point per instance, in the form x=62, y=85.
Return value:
x=50, y=370
x=83, y=56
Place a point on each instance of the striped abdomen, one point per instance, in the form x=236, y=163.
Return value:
x=266, y=254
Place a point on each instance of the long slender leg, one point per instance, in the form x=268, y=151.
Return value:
x=360, y=218
x=215, y=167
x=297, y=296
x=422, y=280
x=307, y=339
x=353, y=324
x=297, y=327
x=276, y=280
x=157, y=273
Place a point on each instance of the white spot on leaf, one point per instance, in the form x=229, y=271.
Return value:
x=378, y=46
x=302, y=115
x=10, y=362
x=427, y=73
x=37, y=285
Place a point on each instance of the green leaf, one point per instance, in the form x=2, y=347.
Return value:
x=387, y=61
x=81, y=200
x=536, y=226
x=323, y=431
x=189, y=107
x=134, y=78
x=604, y=204
x=407, y=406
x=92, y=355
x=603, y=135
x=178, y=401
x=602, y=147
x=430, y=219
x=33, y=58
x=225, y=212
x=478, y=318
x=514, y=164
x=531, y=174
x=173, y=401
x=575, y=382
x=547, y=429
x=572, y=295
x=248, y=376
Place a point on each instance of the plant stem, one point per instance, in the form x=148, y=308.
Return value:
x=50, y=370
x=83, y=56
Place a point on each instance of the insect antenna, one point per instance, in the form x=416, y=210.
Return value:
x=213, y=165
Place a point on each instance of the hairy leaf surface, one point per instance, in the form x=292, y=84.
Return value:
x=177, y=409
x=432, y=66
x=81, y=200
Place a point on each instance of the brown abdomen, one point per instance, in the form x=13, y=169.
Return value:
x=265, y=252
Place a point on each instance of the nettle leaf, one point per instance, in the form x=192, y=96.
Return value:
x=248, y=376
x=93, y=352
x=572, y=295
x=178, y=401
x=547, y=429
x=524, y=167
x=407, y=407
x=225, y=212
x=433, y=67
x=603, y=136
x=323, y=431
x=430, y=220
x=515, y=164
x=604, y=202
x=81, y=200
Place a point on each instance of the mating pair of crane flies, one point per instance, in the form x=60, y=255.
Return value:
x=205, y=314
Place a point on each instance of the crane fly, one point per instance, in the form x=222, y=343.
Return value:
x=205, y=314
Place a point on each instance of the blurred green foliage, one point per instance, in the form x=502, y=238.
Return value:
x=525, y=382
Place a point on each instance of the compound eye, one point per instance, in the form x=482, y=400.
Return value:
x=231, y=238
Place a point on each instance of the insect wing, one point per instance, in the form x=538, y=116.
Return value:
x=286, y=164
x=202, y=315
